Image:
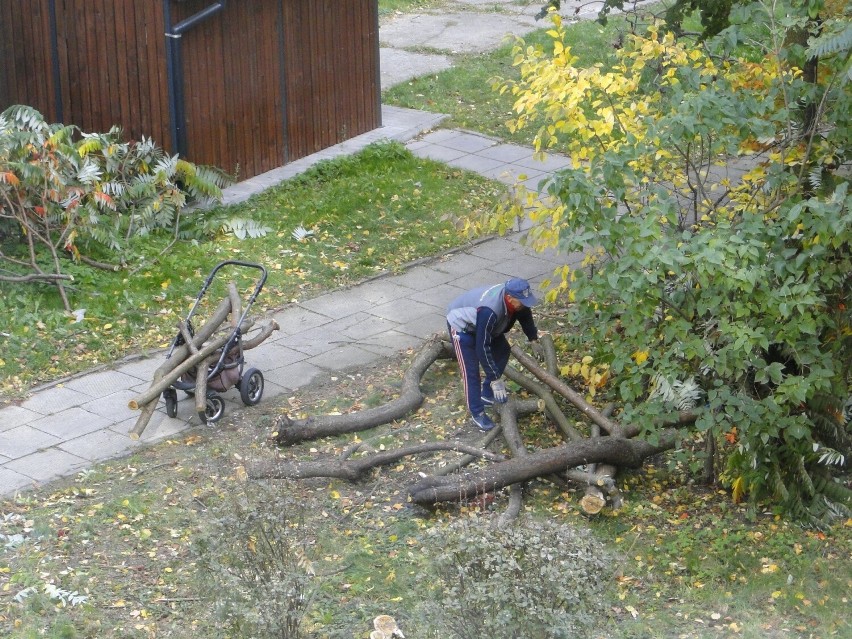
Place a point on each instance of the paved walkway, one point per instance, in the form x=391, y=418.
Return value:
x=68, y=426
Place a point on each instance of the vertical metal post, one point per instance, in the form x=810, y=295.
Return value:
x=54, y=62
x=171, y=44
x=174, y=69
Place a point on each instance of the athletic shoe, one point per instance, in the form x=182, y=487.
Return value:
x=483, y=422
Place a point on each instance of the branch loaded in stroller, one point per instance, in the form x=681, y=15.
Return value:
x=226, y=367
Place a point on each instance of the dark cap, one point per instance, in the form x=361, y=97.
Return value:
x=521, y=291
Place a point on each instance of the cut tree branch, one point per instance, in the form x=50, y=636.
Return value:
x=410, y=398
x=354, y=469
x=613, y=450
x=568, y=393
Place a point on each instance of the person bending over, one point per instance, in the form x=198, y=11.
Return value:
x=478, y=321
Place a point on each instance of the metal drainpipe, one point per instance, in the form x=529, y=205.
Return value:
x=54, y=61
x=174, y=68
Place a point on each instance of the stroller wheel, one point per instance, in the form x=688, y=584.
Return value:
x=170, y=395
x=214, y=410
x=251, y=387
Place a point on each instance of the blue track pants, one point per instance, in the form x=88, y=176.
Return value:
x=465, y=347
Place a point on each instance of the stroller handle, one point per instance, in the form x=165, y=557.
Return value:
x=221, y=265
x=207, y=282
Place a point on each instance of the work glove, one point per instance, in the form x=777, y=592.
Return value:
x=538, y=350
x=498, y=387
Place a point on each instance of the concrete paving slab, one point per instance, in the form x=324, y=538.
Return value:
x=101, y=383
x=143, y=368
x=403, y=124
x=475, y=163
x=319, y=341
x=495, y=249
x=343, y=358
x=437, y=153
x=296, y=319
x=11, y=482
x=382, y=291
x=399, y=66
x=54, y=399
x=13, y=416
x=392, y=343
x=422, y=278
x=338, y=304
x=269, y=357
x=296, y=376
x=549, y=163
x=70, y=423
x=24, y=440
x=438, y=136
x=512, y=173
x=453, y=32
x=113, y=406
x=468, y=142
x=368, y=324
x=163, y=427
x=46, y=465
x=99, y=445
x=404, y=311
x=506, y=153
x=440, y=296
x=527, y=268
x=425, y=326
x=461, y=265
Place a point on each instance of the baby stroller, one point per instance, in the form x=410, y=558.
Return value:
x=229, y=370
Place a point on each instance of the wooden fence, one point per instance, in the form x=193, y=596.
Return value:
x=251, y=86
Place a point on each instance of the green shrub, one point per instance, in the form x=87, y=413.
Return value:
x=64, y=194
x=255, y=564
x=537, y=578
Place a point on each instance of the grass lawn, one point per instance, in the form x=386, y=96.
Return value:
x=149, y=545
x=367, y=214
x=139, y=547
x=465, y=92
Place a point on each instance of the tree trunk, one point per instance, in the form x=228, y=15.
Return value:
x=353, y=470
x=410, y=398
x=613, y=450
x=567, y=392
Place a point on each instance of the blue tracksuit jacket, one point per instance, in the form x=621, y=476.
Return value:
x=478, y=321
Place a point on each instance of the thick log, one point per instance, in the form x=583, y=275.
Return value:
x=188, y=364
x=550, y=404
x=201, y=384
x=147, y=413
x=410, y=398
x=509, y=422
x=568, y=393
x=183, y=329
x=236, y=304
x=602, y=479
x=256, y=340
x=593, y=501
x=614, y=450
x=143, y=419
x=180, y=353
x=551, y=363
x=353, y=469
